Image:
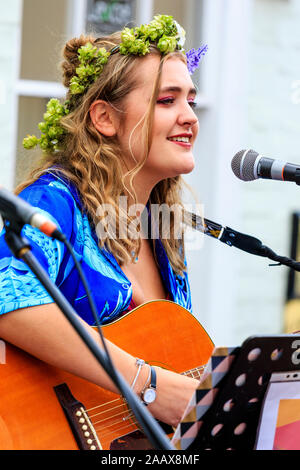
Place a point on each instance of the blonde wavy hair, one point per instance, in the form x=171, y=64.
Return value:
x=92, y=162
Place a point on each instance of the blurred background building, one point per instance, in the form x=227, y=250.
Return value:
x=249, y=97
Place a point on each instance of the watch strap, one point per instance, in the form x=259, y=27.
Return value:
x=153, y=378
x=149, y=385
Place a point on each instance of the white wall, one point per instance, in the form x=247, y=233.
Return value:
x=274, y=130
x=214, y=268
x=10, y=20
x=249, y=74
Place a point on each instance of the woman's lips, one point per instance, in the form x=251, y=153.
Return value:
x=182, y=144
x=186, y=143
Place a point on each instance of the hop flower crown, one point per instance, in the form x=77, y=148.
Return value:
x=163, y=31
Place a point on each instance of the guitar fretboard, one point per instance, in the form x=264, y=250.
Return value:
x=195, y=373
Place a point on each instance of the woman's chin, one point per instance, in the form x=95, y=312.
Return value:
x=188, y=165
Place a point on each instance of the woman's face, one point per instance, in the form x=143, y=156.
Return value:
x=175, y=125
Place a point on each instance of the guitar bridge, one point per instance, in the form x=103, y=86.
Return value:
x=77, y=416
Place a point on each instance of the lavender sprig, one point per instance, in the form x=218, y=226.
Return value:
x=194, y=58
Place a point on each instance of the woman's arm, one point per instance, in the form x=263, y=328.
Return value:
x=44, y=332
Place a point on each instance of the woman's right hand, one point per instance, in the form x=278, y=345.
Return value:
x=173, y=393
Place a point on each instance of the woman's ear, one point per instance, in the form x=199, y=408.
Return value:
x=103, y=119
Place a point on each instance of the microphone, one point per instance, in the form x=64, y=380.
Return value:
x=248, y=165
x=15, y=209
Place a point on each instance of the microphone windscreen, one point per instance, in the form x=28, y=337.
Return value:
x=243, y=165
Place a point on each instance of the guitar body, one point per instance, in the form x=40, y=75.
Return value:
x=31, y=417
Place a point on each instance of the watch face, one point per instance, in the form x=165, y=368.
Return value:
x=149, y=395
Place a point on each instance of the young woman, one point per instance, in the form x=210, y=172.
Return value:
x=127, y=131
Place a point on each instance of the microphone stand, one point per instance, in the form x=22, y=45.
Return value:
x=21, y=248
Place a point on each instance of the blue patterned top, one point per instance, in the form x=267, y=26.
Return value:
x=112, y=290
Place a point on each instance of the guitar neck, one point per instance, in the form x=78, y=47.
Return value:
x=195, y=373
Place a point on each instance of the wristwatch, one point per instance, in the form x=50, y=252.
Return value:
x=149, y=393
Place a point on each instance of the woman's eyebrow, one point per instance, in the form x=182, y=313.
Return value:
x=177, y=89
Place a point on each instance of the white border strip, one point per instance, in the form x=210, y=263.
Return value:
x=77, y=14
x=40, y=89
x=144, y=11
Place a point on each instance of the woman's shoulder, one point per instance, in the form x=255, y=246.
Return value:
x=55, y=195
x=51, y=186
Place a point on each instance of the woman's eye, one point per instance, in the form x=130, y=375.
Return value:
x=193, y=104
x=165, y=101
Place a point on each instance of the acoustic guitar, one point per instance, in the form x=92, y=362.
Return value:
x=45, y=408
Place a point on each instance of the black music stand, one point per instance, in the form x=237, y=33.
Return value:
x=232, y=419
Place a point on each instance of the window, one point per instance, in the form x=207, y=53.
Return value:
x=45, y=27
x=108, y=16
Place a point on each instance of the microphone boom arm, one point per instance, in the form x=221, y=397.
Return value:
x=239, y=240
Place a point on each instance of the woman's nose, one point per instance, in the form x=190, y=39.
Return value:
x=187, y=116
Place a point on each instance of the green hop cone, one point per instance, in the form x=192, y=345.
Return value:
x=87, y=53
x=166, y=24
x=102, y=56
x=123, y=49
x=128, y=36
x=43, y=127
x=55, y=132
x=51, y=129
x=81, y=72
x=85, y=71
x=45, y=144
x=153, y=32
x=76, y=88
x=167, y=44
x=54, y=106
x=139, y=47
x=143, y=31
x=30, y=142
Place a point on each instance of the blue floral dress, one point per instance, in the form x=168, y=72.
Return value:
x=112, y=290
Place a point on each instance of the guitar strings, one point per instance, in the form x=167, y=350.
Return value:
x=126, y=412
x=121, y=403
x=118, y=424
x=125, y=426
x=111, y=417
